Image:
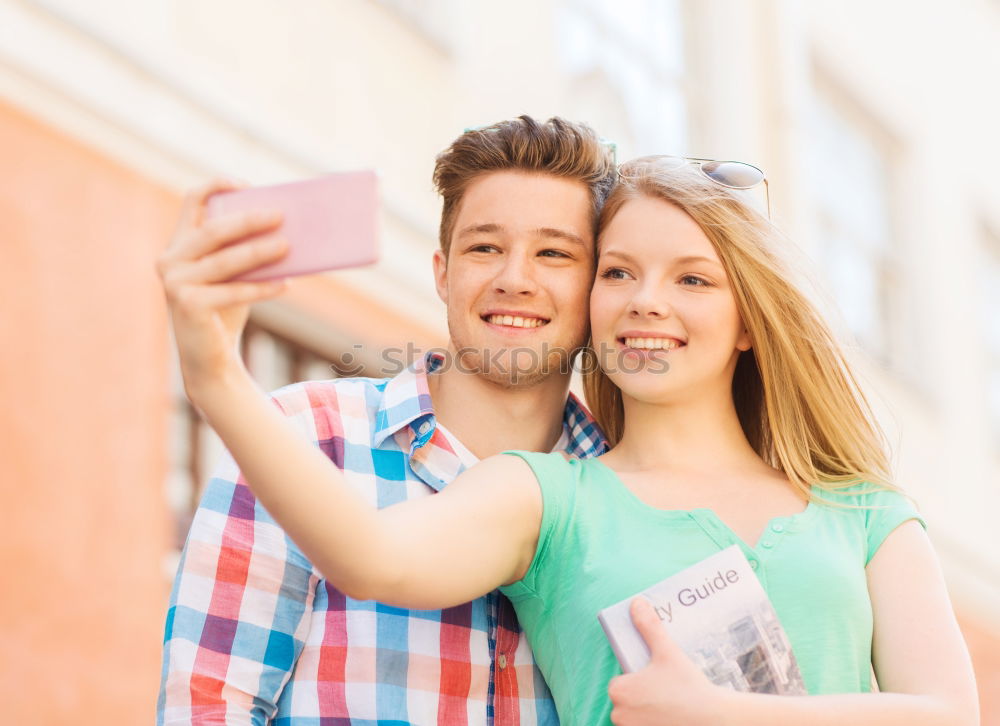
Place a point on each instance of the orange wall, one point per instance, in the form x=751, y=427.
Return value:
x=83, y=381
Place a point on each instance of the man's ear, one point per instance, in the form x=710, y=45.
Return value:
x=441, y=275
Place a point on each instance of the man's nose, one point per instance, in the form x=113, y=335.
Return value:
x=516, y=276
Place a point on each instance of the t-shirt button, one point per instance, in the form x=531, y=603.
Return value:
x=754, y=564
x=424, y=427
x=767, y=543
x=778, y=527
x=502, y=661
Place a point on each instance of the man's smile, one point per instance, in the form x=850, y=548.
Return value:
x=513, y=319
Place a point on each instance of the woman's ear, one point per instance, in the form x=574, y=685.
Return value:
x=441, y=275
x=743, y=342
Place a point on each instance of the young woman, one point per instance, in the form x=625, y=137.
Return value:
x=735, y=420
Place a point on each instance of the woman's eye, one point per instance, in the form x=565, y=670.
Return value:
x=614, y=273
x=693, y=281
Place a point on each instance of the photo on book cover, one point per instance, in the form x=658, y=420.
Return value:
x=718, y=612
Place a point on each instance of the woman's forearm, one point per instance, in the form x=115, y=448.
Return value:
x=300, y=487
x=861, y=709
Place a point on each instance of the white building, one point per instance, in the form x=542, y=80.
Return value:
x=875, y=121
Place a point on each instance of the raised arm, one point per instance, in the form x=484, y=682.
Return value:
x=434, y=552
x=201, y=681
x=428, y=553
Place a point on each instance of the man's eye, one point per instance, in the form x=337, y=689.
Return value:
x=615, y=273
x=483, y=248
x=554, y=253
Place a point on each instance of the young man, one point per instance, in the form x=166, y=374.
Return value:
x=254, y=634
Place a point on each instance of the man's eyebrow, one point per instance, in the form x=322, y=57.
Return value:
x=556, y=233
x=490, y=228
x=550, y=232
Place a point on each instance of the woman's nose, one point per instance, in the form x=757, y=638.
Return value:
x=646, y=303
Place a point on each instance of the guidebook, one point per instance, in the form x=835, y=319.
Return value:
x=717, y=611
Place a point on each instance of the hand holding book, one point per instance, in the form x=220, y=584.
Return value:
x=689, y=642
x=719, y=615
x=671, y=683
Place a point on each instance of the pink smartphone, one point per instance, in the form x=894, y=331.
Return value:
x=330, y=222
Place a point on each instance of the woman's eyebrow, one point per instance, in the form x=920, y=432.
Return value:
x=615, y=253
x=685, y=260
x=690, y=259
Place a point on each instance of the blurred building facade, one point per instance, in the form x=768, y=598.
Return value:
x=878, y=143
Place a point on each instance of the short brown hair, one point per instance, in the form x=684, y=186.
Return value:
x=558, y=147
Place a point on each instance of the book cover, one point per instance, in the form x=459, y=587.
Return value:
x=717, y=611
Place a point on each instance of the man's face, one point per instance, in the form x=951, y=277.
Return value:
x=518, y=275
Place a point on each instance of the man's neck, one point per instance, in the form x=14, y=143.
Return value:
x=489, y=418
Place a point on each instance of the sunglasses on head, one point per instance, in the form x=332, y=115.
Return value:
x=731, y=174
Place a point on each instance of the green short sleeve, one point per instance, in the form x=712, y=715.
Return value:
x=886, y=511
x=556, y=478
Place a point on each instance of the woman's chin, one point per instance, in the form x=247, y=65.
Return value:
x=648, y=387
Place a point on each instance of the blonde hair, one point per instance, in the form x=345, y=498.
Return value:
x=558, y=147
x=797, y=399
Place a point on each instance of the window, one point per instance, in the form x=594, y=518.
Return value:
x=990, y=277
x=856, y=251
x=627, y=55
x=431, y=18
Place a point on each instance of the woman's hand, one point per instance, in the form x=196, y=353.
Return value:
x=207, y=313
x=671, y=690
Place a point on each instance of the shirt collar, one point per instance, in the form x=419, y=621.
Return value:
x=406, y=401
x=586, y=438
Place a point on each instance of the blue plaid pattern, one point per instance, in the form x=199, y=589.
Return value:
x=255, y=635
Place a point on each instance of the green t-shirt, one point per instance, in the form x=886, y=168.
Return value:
x=600, y=544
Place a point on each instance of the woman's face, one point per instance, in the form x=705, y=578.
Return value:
x=664, y=321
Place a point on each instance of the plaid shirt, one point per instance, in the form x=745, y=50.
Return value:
x=254, y=632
